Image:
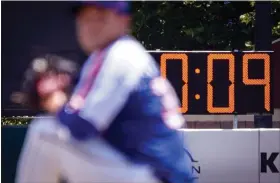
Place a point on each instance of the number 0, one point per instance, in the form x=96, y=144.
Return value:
x=210, y=94
x=184, y=58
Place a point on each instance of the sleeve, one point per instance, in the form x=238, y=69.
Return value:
x=37, y=162
x=107, y=96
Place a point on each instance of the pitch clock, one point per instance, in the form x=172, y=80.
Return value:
x=216, y=82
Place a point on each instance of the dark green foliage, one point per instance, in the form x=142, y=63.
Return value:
x=190, y=25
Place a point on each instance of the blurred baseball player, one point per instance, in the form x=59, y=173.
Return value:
x=48, y=156
x=121, y=96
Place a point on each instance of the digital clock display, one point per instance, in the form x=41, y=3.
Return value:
x=219, y=82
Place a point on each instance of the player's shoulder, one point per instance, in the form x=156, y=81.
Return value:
x=130, y=52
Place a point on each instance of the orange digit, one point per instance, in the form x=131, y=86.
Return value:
x=184, y=58
x=265, y=81
x=210, y=61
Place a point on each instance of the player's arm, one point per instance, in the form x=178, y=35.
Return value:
x=108, y=95
x=37, y=162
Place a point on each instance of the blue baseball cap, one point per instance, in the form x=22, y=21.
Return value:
x=121, y=7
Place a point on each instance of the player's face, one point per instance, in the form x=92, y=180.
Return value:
x=93, y=27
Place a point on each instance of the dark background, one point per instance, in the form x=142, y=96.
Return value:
x=30, y=29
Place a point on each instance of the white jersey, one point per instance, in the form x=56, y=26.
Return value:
x=122, y=98
x=47, y=157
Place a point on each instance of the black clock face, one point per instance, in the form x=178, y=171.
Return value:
x=219, y=82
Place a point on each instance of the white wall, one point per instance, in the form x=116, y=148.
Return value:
x=234, y=156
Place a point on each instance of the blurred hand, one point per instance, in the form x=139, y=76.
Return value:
x=50, y=89
x=54, y=101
